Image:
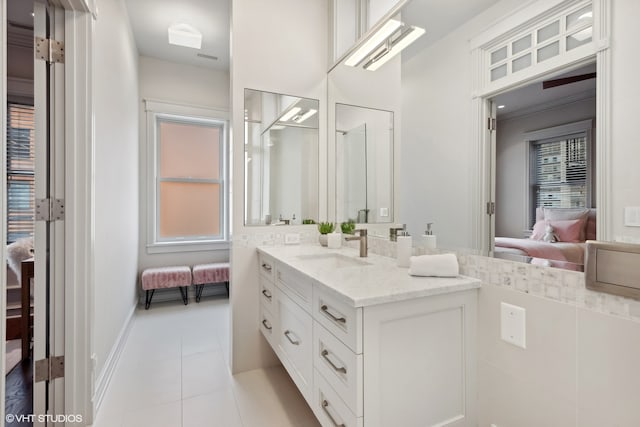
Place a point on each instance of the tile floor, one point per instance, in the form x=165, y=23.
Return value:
x=174, y=372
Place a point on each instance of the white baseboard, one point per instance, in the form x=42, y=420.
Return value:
x=112, y=361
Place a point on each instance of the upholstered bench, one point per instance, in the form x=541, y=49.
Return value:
x=210, y=273
x=163, y=278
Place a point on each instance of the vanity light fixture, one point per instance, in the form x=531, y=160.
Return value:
x=289, y=114
x=373, y=42
x=185, y=35
x=305, y=116
x=394, y=47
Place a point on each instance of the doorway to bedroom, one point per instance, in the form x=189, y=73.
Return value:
x=544, y=164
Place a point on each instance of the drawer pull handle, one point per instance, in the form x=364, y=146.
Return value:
x=266, y=267
x=292, y=341
x=325, y=355
x=325, y=407
x=266, y=293
x=266, y=324
x=325, y=309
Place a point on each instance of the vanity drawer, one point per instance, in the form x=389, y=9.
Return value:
x=329, y=408
x=296, y=285
x=267, y=294
x=339, y=366
x=342, y=320
x=267, y=267
x=295, y=343
x=268, y=326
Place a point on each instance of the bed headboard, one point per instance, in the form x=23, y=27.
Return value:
x=591, y=219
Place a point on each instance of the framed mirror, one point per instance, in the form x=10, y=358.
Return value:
x=364, y=164
x=281, y=158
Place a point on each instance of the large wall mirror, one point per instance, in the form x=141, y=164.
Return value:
x=364, y=164
x=439, y=176
x=281, y=158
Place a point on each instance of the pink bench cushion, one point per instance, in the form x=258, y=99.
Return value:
x=166, y=277
x=210, y=273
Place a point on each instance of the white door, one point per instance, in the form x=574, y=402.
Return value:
x=48, y=403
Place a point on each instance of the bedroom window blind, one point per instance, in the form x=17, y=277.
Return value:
x=20, y=171
x=560, y=173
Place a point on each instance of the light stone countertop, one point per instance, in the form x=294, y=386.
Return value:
x=361, y=282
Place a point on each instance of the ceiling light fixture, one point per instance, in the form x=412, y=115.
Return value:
x=305, y=116
x=373, y=42
x=500, y=107
x=394, y=47
x=185, y=35
x=289, y=114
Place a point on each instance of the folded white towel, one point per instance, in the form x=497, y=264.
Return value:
x=445, y=265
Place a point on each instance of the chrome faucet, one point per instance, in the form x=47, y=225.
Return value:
x=363, y=241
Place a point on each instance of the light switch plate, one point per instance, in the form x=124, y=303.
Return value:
x=292, y=239
x=632, y=216
x=513, y=324
x=384, y=212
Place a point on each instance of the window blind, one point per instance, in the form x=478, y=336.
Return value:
x=560, y=173
x=20, y=171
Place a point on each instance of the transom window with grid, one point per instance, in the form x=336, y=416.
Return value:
x=20, y=171
x=561, y=172
x=189, y=182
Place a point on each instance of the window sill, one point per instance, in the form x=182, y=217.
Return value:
x=170, y=247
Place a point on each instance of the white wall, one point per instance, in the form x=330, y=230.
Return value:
x=436, y=160
x=625, y=92
x=115, y=94
x=512, y=196
x=277, y=46
x=186, y=85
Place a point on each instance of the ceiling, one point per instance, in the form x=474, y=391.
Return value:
x=150, y=20
x=525, y=99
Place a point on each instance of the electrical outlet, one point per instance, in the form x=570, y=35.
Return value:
x=632, y=216
x=513, y=324
x=292, y=239
x=384, y=212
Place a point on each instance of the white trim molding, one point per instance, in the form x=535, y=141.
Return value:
x=527, y=20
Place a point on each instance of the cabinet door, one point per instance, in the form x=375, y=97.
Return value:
x=419, y=362
x=295, y=342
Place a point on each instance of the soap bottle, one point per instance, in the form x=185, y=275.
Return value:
x=403, y=248
x=428, y=238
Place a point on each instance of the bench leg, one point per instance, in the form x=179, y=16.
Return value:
x=199, y=289
x=148, y=298
x=226, y=285
x=184, y=293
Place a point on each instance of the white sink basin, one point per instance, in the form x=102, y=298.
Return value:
x=333, y=260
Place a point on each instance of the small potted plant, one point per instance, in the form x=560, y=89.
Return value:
x=308, y=221
x=348, y=227
x=325, y=228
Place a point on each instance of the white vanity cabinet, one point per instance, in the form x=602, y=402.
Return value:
x=406, y=358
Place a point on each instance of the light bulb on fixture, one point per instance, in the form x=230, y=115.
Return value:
x=373, y=42
x=396, y=46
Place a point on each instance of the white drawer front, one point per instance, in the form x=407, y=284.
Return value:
x=267, y=294
x=340, y=319
x=268, y=326
x=267, y=267
x=340, y=366
x=295, y=343
x=329, y=408
x=295, y=285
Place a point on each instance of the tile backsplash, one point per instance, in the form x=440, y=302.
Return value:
x=563, y=286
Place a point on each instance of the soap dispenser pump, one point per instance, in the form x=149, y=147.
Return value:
x=403, y=248
x=428, y=237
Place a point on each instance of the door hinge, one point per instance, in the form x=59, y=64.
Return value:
x=491, y=123
x=49, y=50
x=49, y=209
x=491, y=208
x=49, y=369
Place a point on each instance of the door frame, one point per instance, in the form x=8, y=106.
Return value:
x=483, y=92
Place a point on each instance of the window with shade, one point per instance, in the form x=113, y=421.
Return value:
x=561, y=172
x=190, y=186
x=20, y=171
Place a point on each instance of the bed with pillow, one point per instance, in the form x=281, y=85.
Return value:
x=572, y=227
